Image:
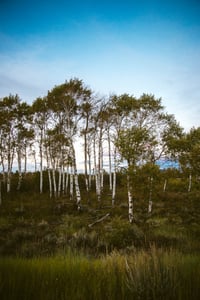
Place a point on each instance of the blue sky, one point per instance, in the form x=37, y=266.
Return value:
x=113, y=46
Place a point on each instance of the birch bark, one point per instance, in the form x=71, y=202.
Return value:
x=130, y=199
x=114, y=178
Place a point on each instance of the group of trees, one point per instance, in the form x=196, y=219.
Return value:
x=135, y=132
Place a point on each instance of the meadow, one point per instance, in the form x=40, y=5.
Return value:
x=50, y=250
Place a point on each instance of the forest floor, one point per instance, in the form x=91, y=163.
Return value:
x=34, y=225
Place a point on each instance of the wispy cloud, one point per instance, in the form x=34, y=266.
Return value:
x=153, y=50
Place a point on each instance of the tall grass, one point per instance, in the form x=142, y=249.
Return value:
x=155, y=274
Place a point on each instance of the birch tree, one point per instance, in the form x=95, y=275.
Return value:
x=24, y=136
x=188, y=152
x=40, y=119
x=86, y=115
x=98, y=139
x=65, y=101
x=138, y=137
x=131, y=145
x=8, y=109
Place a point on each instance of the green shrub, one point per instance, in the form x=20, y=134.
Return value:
x=121, y=234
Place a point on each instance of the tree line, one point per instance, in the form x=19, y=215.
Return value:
x=119, y=128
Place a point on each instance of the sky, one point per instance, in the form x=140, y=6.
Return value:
x=116, y=47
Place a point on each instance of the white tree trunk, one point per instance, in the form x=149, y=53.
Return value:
x=71, y=192
x=8, y=181
x=3, y=170
x=41, y=165
x=63, y=181
x=130, y=200
x=100, y=174
x=59, y=181
x=25, y=160
x=85, y=162
x=165, y=185
x=67, y=180
x=78, y=194
x=77, y=189
x=50, y=183
x=114, y=179
x=190, y=183
x=98, y=186
x=9, y=170
x=109, y=161
x=96, y=172
x=150, y=195
x=114, y=188
x=19, y=168
x=90, y=169
x=54, y=182
x=49, y=173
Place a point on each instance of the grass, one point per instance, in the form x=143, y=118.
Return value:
x=48, y=227
x=154, y=274
x=49, y=251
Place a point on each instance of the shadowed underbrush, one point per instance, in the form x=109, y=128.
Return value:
x=33, y=225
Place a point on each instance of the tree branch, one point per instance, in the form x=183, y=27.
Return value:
x=99, y=220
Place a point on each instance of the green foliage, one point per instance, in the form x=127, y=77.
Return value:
x=190, y=152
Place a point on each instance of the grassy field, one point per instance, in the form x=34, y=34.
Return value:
x=49, y=250
x=154, y=274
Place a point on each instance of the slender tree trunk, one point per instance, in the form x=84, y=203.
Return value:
x=41, y=163
x=165, y=185
x=71, y=184
x=109, y=161
x=114, y=188
x=98, y=187
x=150, y=195
x=190, y=183
x=3, y=170
x=19, y=168
x=67, y=180
x=8, y=181
x=50, y=183
x=9, y=171
x=90, y=169
x=114, y=179
x=25, y=160
x=85, y=162
x=96, y=172
x=54, y=182
x=59, y=181
x=101, y=162
x=77, y=189
x=49, y=173
x=63, y=181
x=130, y=199
x=100, y=175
